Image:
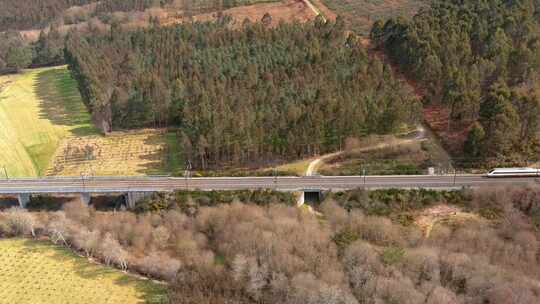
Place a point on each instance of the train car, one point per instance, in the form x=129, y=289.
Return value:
x=514, y=172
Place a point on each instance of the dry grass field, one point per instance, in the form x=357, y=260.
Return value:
x=120, y=153
x=361, y=14
x=36, y=272
x=298, y=167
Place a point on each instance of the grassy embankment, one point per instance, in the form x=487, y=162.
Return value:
x=38, y=108
x=40, y=272
x=45, y=129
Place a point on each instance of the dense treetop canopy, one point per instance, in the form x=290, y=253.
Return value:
x=481, y=58
x=240, y=95
x=31, y=14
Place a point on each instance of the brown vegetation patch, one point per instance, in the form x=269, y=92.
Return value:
x=327, y=13
x=452, y=135
x=440, y=213
x=360, y=14
x=410, y=153
x=243, y=253
x=286, y=10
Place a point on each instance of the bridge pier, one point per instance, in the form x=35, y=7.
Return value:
x=85, y=198
x=24, y=199
x=301, y=199
x=133, y=197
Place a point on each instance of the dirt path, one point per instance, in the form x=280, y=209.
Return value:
x=420, y=136
x=313, y=165
x=314, y=9
x=312, y=168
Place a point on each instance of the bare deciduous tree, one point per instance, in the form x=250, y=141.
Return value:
x=112, y=252
x=20, y=221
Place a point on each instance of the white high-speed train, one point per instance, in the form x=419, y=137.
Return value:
x=514, y=172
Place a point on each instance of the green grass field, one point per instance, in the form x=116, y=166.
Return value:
x=298, y=167
x=38, y=108
x=45, y=128
x=34, y=272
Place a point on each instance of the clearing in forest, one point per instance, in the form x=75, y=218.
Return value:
x=40, y=272
x=361, y=14
x=285, y=10
x=38, y=108
x=408, y=153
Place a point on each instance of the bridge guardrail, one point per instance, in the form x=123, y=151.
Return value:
x=90, y=177
x=71, y=190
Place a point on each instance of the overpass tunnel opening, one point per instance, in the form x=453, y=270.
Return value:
x=313, y=196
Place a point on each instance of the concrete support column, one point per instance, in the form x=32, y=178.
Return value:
x=301, y=199
x=133, y=197
x=85, y=198
x=24, y=199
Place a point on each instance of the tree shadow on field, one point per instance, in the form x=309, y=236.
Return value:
x=156, y=160
x=60, y=101
x=151, y=292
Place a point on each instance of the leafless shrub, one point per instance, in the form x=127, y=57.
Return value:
x=78, y=212
x=508, y=293
x=380, y=231
x=160, y=236
x=57, y=228
x=77, y=14
x=208, y=284
x=398, y=289
x=422, y=266
x=441, y=295
x=159, y=266
x=20, y=222
x=335, y=214
x=87, y=241
x=305, y=288
x=240, y=253
x=112, y=252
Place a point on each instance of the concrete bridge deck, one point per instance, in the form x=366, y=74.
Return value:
x=124, y=185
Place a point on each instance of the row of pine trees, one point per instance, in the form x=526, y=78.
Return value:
x=241, y=95
x=482, y=60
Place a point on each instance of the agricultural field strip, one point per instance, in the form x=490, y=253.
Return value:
x=40, y=272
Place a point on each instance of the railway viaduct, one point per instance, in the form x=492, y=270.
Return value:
x=136, y=188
